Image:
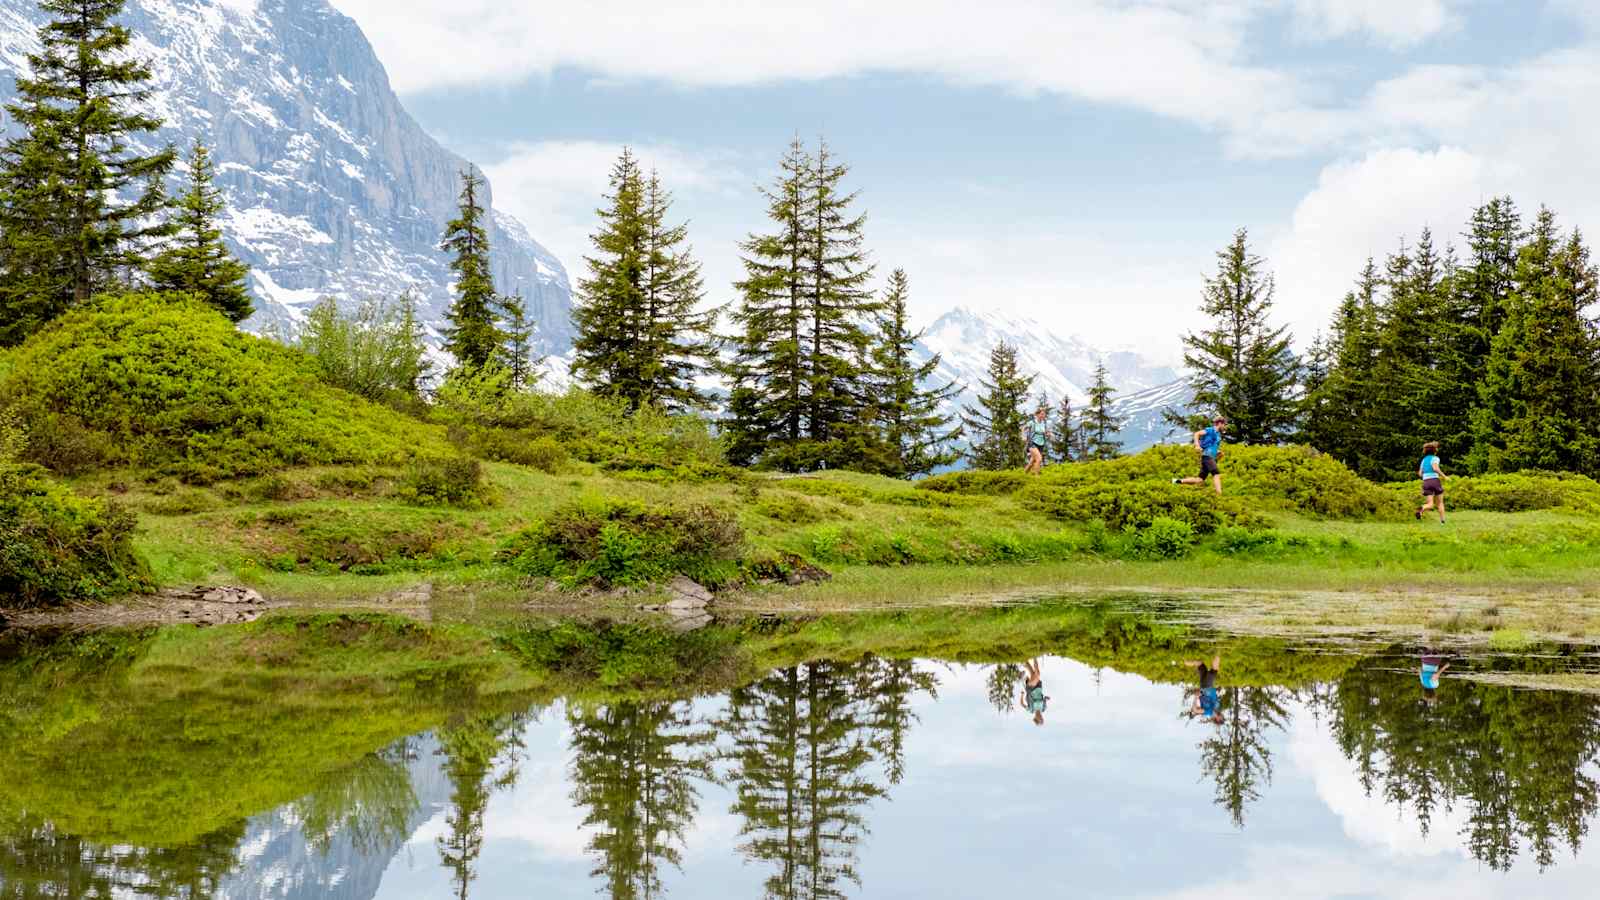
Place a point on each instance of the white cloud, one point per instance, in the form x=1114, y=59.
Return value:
x=1395, y=24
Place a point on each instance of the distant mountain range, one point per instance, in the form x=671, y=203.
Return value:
x=1061, y=366
x=332, y=188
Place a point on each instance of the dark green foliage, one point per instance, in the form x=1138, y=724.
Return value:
x=1243, y=367
x=1099, y=425
x=915, y=434
x=196, y=261
x=604, y=542
x=517, y=354
x=975, y=482
x=167, y=383
x=79, y=205
x=443, y=481
x=473, y=335
x=1066, y=435
x=1137, y=504
x=378, y=352
x=58, y=547
x=641, y=336
x=994, y=426
x=1347, y=395
x=1164, y=538
x=800, y=369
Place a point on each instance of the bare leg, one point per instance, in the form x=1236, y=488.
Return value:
x=1191, y=481
x=1441, y=509
x=1216, y=483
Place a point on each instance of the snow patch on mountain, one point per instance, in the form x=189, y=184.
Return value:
x=333, y=189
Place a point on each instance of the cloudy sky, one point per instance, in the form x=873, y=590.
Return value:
x=1077, y=161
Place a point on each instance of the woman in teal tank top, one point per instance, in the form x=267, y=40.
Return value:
x=1432, y=480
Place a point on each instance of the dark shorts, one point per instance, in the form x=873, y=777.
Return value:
x=1432, y=487
x=1208, y=466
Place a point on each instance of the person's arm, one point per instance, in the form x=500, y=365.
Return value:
x=1197, y=436
x=1216, y=663
x=1444, y=668
x=1439, y=467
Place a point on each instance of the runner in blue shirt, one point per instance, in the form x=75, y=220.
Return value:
x=1433, y=665
x=1432, y=480
x=1206, y=704
x=1209, y=443
x=1033, y=697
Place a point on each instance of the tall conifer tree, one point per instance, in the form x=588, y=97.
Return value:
x=914, y=431
x=1100, y=421
x=473, y=335
x=79, y=207
x=1243, y=367
x=1481, y=289
x=196, y=261
x=994, y=426
x=517, y=354
x=1064, y=443
x=800, y=372
x=641, y=337
x=1349, y=386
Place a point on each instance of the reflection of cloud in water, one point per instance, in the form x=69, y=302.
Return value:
x=1371, y=820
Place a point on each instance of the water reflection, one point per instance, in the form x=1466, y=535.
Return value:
x=808, y=762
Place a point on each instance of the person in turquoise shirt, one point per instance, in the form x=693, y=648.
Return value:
x=1433, y=665
x=1037, y=433
x=1033, y=697
x=1432, y=480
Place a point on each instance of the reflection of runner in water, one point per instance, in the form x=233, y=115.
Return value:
x=1205, y=700
x=1033, y=698
x=1433, y=665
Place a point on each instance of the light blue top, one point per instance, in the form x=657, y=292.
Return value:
x=1210, y=441
x=1037, y=432
x=1430, y=677
x=1430, y=467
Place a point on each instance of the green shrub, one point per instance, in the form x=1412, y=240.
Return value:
x=814, y=486
x=793, y=510
x=1520, y=491
x=1164, y=538
x=443, y=481
x=979, y=482
x=606, y=542
x=338, y=540
x=1138, y=504
x=58, y=547
x=167, y=383
x=184, y=502
x=376, y=351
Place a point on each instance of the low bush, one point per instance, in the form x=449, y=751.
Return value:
x=1138, y=504
x=166, y=383
x=1163, y=538
x=1519, y=491
x=358, y=542
x=814, y=486
x=790, y=509
x=607, y=542
x=978, y=482
x=443, y=481
x=59, y=547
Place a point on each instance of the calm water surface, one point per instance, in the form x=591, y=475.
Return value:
x=880, y=778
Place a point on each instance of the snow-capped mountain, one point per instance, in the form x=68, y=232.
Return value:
x=333, y=189
x=1062, y=366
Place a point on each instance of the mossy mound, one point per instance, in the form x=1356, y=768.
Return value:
x=164, y=383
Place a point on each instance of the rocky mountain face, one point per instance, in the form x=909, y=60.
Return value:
x=332, y=188
x=1062, y=366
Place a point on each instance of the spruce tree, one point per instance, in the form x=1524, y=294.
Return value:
x=641, y=337
x=800, y=372
x=1063, y=437
x=1316, y=412
x=995, y=425
x=1475, y=314
x=1413, y=342
x=1349, y=387
x=517, y=353
x=1537, y=399
x=1243, y=367
x=1100, y=421
x=914, y=431
x=473, y=335
x=79, y=206
x=197, y=261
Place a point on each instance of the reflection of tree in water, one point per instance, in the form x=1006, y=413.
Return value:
x=1513, y=759
x=1004, y=682
x=370, y=802
x=632, y=769
x=39, y=862
x=803, y=738
x=1236, y=755
x=480, y=754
